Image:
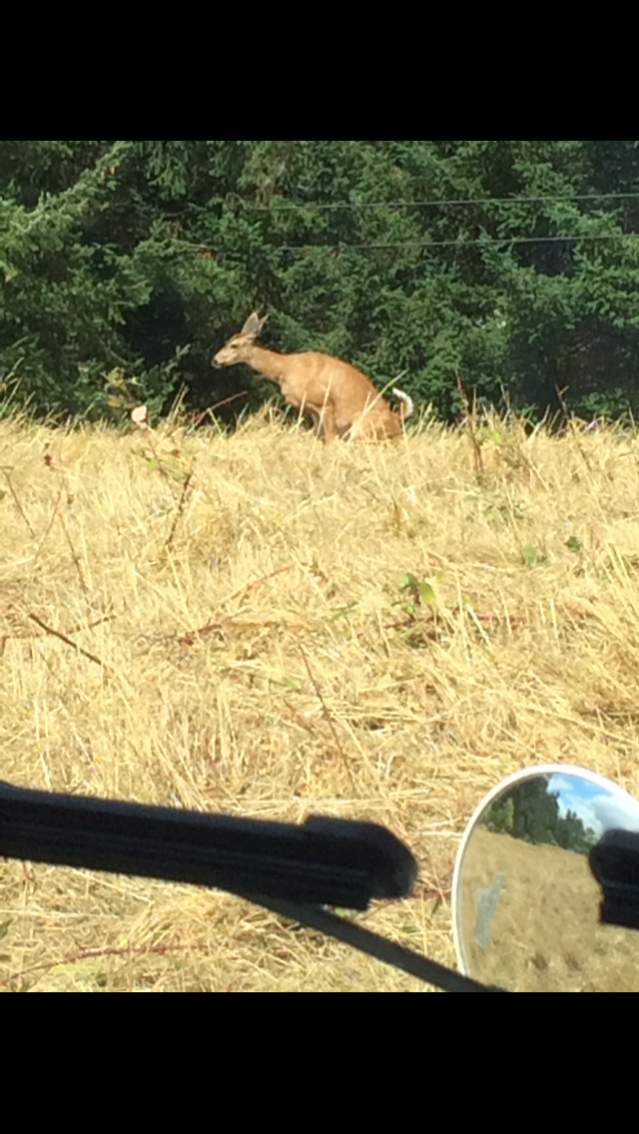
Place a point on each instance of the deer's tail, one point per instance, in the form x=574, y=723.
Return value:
x=408, y=406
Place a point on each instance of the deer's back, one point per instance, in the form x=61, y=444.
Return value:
x=314, y=372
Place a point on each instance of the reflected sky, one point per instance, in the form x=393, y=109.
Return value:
x=597, y=808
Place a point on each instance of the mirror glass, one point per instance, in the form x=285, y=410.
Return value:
x=528, y=898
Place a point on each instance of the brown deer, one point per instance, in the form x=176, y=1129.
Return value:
x=340, y=400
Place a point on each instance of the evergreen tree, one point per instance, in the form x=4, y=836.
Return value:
x=489, y=261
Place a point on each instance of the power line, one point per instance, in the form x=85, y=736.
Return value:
x=288, y=206
x=284, y=206
x=205, y=249
x=454, y=243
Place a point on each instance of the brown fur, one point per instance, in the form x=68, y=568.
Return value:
x=340, y=400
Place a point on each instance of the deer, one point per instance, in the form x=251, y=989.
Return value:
x=340, y=400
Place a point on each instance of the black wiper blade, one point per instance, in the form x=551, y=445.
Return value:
x=324, y=861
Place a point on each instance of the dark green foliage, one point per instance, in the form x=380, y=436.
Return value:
x=147, y=255
x=531, y=812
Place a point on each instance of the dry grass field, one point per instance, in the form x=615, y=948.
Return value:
x=239, y=635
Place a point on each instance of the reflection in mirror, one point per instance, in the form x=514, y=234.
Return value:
x=527, y=892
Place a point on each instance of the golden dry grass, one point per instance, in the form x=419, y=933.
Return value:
x=313, y=686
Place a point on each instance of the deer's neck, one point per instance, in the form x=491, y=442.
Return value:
x=267, y=362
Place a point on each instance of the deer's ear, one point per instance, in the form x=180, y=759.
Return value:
x=252, y=325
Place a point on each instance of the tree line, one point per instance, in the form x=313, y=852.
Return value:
x=531, y=812
x=511, y=266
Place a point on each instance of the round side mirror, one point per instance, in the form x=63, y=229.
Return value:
x=546, y=885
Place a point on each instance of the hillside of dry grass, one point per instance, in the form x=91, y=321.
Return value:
x=272, y=628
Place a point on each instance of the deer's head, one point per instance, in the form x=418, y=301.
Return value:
x=238, y=347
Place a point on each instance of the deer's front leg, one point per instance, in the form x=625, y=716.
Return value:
x=316, y=421
x=328, y=421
